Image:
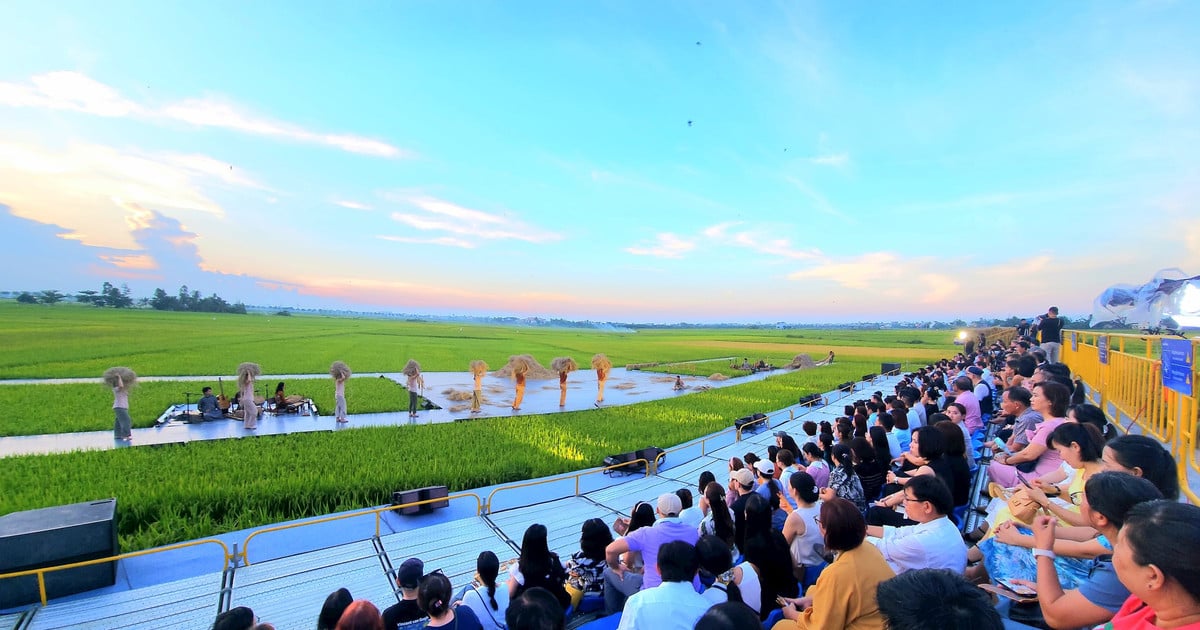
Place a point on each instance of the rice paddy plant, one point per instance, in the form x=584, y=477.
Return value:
x=67, y=408
x=180, y=492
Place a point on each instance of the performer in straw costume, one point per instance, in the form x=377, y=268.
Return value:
x=602, y=366
x=340, y=373
x=520, y=367
x=415, y=383
x=246, y=373
x=563, y=365
x=121, y=380
x=478, y=369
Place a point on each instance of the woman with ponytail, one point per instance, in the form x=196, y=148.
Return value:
x=485, y=600
x=730, y=583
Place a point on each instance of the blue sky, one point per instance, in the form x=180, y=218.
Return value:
x=844, y=161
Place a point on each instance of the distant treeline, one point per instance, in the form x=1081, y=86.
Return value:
x=110, y=296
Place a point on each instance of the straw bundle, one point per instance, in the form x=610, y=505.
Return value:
x=601, y=363
x=625, y=385
x=479, y=367
x=519, y=364
x=114, y=376
x=564, y=364
x=801, y=361
x=247, y=372
x=339, y=370
x=457, y=395
x=412, y=368
x=718, y=377
x=536, y=372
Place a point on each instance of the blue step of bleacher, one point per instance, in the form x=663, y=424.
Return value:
x=563, y=519
x=452, y=547
x=289, y=591
x=188, y=603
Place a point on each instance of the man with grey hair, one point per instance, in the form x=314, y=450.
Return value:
x=619, y=584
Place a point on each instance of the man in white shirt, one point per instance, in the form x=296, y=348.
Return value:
x=674, y=604
x=916, y=412
x=934, y=542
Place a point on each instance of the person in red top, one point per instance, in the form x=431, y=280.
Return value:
x=1157, y=557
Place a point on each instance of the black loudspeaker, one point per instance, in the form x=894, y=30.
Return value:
x=889, y=369
x=54, y=536
x=751, y=424
x=401, y=497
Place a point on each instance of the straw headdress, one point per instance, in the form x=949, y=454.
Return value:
x=247, y=372
x=115, y=376
x=339, y=370
x=601, y=362
x=412, y=368
x=479, y=367
x=520, y=363
x=564, y=364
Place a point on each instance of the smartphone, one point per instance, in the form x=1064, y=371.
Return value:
x=1019, y=589
x=1023, y=480
x=1002, y=446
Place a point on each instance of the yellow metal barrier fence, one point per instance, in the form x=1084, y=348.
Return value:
x=1125, y=373
x=41, y=573
x=377, y=512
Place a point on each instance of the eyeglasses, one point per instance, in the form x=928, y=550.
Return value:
x=817, y=520
x=1077, y=498
x=912, y=500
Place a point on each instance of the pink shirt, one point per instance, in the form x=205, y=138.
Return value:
x=339, y=388
x=120, y=398
x=1040, y=434
x=974, y=419
x=1136, y=615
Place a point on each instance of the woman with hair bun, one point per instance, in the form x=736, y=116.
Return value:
x=433, y=597
x=1143, y=457
x=801, y=532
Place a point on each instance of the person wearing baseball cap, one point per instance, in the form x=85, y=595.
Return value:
x=741, y=484
x=647, y=540
x=408, y=577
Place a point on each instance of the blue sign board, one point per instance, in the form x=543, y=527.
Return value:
x=1074, y=342
x=1177, y=365
x=1102, y=346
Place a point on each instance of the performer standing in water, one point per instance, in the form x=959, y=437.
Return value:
x=415, y=382
x=246, y=373
x=340, y=373
x=520, y=367
x=121, y=380
x=563, y=365
x=602, y=366
x=479, y=369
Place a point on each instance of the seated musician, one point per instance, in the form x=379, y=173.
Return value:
x=283, y=401
x=208, y=407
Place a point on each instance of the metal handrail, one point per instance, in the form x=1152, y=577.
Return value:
x=41, y=573
x=378, y=512
x=537, y=482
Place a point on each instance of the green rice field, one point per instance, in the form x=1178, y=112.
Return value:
x=173, y=493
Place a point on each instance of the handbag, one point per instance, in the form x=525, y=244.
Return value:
x=1022, y=507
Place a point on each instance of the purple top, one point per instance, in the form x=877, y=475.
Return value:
x=648, y=539
x=820, y=473
x=974, y=419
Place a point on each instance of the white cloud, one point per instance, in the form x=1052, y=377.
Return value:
x=100, y=193
x=666, y=245
x=466, y=224
x=819, y=202
x=719, y=230
x=445, y=241
x=74, y=91
x=353, y=205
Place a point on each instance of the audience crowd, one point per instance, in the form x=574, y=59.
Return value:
x=856, y=523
